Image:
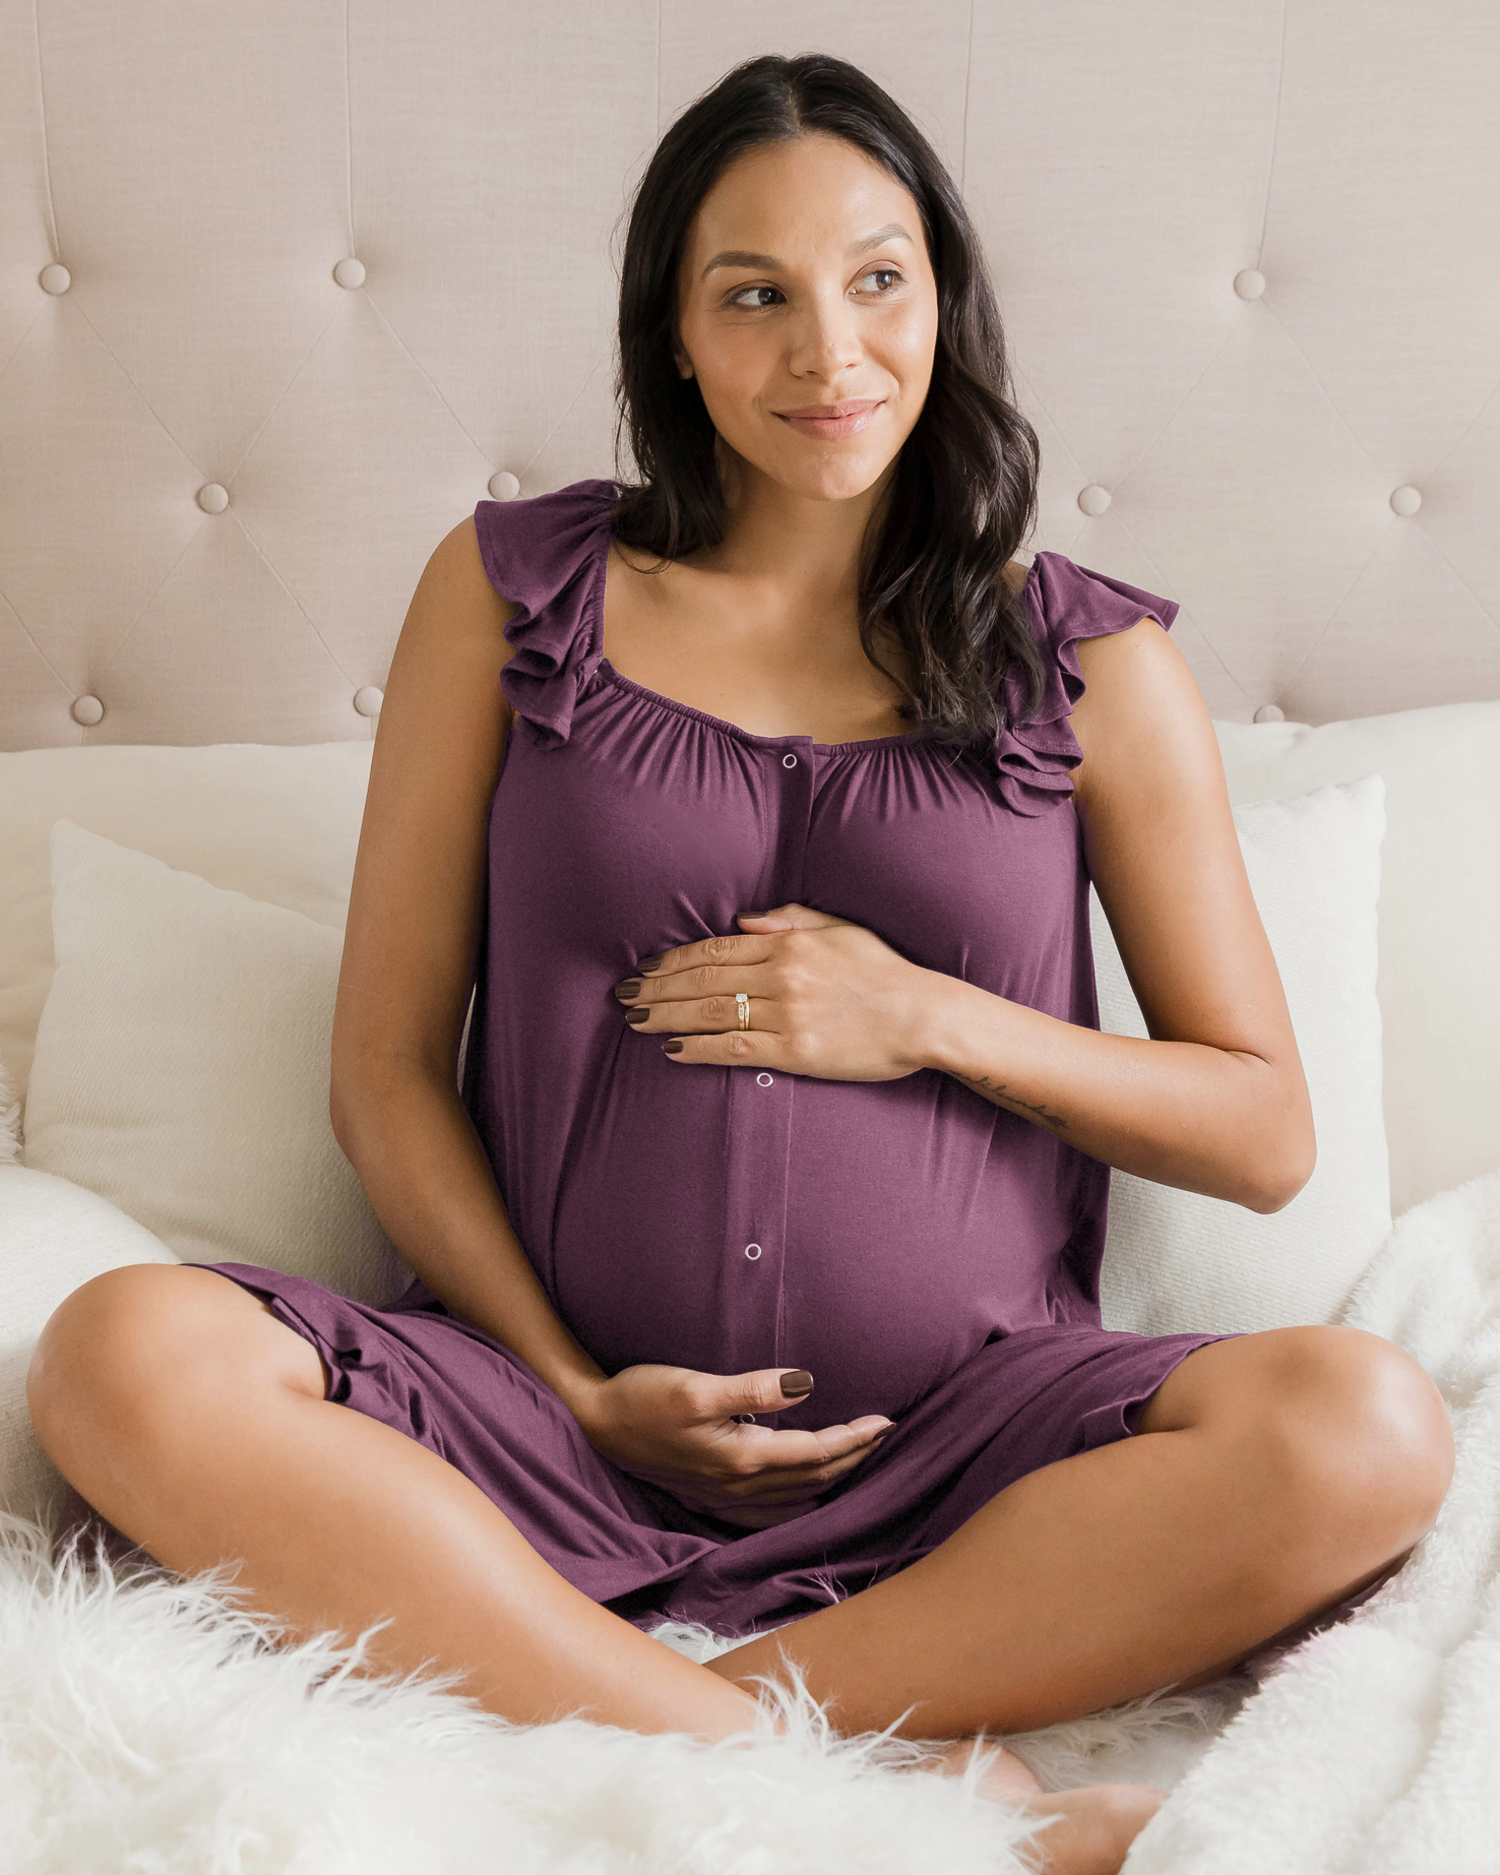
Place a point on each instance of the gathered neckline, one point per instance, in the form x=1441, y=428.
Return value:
x=903, y=738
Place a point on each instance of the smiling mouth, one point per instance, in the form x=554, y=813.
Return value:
x=831, y=420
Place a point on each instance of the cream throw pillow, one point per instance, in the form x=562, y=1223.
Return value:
x=181, y=1069
x=1178, y=1261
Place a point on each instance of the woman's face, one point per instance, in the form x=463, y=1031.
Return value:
x=806, y=283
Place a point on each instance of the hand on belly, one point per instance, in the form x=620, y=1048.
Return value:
x=686, y=1432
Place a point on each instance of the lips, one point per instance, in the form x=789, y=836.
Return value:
x=827, y=413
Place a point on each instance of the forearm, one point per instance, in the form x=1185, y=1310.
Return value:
x=1186, y=1114
x=425, y=1173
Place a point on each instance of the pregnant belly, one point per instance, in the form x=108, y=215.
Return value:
x=881, y=1299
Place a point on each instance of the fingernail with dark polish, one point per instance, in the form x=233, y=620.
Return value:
x=628, y=990
x=637, y=1015
x=673, y=1047
x=649, y=964
x=797, y=1384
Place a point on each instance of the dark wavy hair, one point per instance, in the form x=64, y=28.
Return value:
x=963, y=497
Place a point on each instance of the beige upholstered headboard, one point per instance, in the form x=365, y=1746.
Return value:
x=287, y=288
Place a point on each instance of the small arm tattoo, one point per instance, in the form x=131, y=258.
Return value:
x=982, y=1084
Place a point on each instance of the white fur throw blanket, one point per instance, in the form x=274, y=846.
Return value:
x=147, y=1725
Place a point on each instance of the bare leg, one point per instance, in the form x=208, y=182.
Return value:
x=195, y=1421
x=1271, y=1476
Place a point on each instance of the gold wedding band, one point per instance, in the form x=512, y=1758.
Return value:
x=743, y=1002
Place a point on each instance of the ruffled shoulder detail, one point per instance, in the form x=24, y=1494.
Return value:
x=547, y=554
x=1035, y=754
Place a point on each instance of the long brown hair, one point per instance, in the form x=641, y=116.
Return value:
x=963, y=497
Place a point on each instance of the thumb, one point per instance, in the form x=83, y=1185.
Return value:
x=792, y=917
x=767, y=1390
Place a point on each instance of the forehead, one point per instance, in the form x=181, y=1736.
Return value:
x=795, y=199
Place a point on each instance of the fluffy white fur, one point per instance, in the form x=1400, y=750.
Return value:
x=145, y=1723
x=148, y=1724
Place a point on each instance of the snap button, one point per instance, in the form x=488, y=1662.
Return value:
x=752, y=1250
x=763, y=1080
x=788, y=761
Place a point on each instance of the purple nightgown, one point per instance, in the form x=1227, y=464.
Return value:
x=927, y=1255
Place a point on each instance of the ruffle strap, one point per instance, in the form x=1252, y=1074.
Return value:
x=544, y=554
x=1034, y=758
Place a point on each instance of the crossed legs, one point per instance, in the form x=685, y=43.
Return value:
x=1271, y=1476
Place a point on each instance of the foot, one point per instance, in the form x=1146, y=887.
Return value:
x=1092, y=1829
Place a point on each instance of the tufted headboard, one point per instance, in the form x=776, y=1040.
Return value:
x=286, y=289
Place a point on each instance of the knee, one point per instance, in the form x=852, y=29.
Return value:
x=1360, y=1434
x=131, y=1356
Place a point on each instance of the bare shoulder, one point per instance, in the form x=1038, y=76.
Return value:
x=1142, y=722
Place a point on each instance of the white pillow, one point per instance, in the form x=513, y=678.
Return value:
x=1439, y=915
x=181, y=1069
x=54, y=1237
x=1178, y=1261
x=279, y=822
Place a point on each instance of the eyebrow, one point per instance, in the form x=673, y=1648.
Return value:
x=741, y=257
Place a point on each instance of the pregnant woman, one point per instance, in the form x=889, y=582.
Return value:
x=757, y=1245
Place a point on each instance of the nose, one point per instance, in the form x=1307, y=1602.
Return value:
x=824, y=337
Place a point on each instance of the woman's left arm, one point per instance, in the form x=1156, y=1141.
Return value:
x=1216, y=1100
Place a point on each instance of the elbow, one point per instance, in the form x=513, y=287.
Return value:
x=1287, y=1171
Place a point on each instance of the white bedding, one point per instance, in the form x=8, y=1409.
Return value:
x=140, y=1721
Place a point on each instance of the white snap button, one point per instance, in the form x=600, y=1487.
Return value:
x=752, y=1250
x=788, y=761
x=763, y=1080
x=54, y=278
x=350, y=273
x=504, y=486
x=368, y=700
x=213, y=498
x=88, y=711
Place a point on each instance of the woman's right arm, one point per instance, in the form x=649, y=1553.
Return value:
x=409, y=949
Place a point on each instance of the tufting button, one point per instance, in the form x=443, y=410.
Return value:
x=1249, y=283
x=1406, y=499
x=350, y=273
x=1269, y=713
x=213, y=498
x=1094, y=499
x=504, y=486
x=368, y=700
x=88, y=711
x=54, y=279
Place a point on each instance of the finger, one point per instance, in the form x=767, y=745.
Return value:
x=764, y=1390
x=717, y=1015
x=734, y=948
x=793, y=916
x=756, y=1449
